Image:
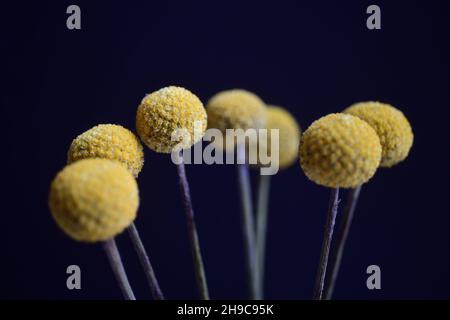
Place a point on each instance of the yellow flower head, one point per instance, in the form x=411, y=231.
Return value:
x=289, y=135
x=340, y=150
x=236, y=109
x=392, y=127
x=171, y=118
x=94, y=199
x=108, y=141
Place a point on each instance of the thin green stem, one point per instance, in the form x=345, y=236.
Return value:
x=341, y=239
x=261, y=227
x=248, y=224
x=327, y=238
x=117, y=267
x=145, y=262
x=193, y=235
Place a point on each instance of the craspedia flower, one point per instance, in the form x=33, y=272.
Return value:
x=108, y=141
x=94, y=199
x=289, y=135
x=236, y=109
x=167, y=110
x=340, y=150
x=392, y=127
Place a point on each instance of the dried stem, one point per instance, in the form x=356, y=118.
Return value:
x=145, y=262
x=261, y=227
x=117, y=266
x=248, y=224
x=327, y=237
x=193, y=235
x=341, y=239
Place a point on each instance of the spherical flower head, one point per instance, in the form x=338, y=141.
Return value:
x=171, y=118
x=392, y=127
x=235, y=109
x=340, y=150
x=94, y=199
x=289, y=135
x=108, y=141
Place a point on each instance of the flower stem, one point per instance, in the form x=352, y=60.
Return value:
x=248, y=224
x=145, y=262
x=117, y=266
x=327, y=237
x=193, y=235
x=341, y=239
x=261, y=227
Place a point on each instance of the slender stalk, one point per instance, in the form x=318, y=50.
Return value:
x=193, y=235
x=327, y=237
x=261, y=227
x=117, y=266
x=248, y=224
x=145, y=262
x=341, y=239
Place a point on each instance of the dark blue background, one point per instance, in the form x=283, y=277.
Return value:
x=311, y=57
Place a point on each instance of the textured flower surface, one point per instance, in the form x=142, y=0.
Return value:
x=392, y=127
x=171, y=118
x=108, y=141
x=289, y=135
x=236, y=109
x=340, y=150
x=94, y=199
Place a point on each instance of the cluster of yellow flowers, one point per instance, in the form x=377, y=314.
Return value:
x=345, y=149
x=96, y=196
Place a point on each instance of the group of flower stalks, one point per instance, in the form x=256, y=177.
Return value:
x=95, y=197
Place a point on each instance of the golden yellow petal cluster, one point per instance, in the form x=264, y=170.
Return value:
x=392, y=127
x=340, y=150
x=289, y=135
x=171, y=118
x=236, y=109
x=94, y=199
x=108, y=141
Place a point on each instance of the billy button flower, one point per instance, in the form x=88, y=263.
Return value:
x=241, y=109
x=93, y=201
x=396, y=138
x=114, y=142
x=337, y=151
x=160, y=115
x=288, y=145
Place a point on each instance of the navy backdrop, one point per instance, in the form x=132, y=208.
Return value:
x=311, y=57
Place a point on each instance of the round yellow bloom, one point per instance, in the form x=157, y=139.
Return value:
x=289, y=135
x=340, y=150
x=94, y=200
x=171, y=118
x=108, y=141
x=392, y=127
x=236, y=109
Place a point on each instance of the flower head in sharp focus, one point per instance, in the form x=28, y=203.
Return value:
x=167, y=110
x=392, y=127
x=94, y=199
x=340, y=150
x=108, y=141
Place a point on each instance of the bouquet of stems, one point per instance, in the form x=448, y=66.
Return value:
x=96, y=197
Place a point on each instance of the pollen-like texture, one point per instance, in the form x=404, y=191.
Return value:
x=109, y=141
x=236, y=109
x=340, y=150
x=392, y=127
x=94, y=199
x=171, y=118
x=289, y=135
